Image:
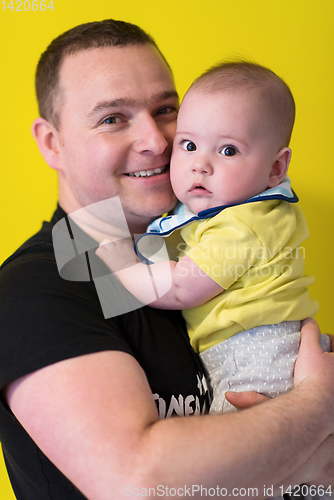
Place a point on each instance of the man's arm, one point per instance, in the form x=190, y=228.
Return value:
x=104, y=438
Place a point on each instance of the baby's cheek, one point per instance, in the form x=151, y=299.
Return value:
x=174, y=178
x=178, y=186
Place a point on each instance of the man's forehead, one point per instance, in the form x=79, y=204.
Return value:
x=114, y=62
x=132, y=73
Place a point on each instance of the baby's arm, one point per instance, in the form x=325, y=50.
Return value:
x=190, y=287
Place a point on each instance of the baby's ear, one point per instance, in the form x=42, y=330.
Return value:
x=280, y=167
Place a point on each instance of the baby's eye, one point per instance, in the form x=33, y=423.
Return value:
x=189, y=145
x=229, y=151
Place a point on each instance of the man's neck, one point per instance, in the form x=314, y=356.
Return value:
x=106, y=220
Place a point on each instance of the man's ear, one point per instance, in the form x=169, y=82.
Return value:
x=280, y=167
x=47, y=139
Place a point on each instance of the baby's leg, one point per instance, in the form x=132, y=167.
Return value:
x=261, y=359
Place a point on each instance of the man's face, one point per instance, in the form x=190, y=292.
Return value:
x=117, y=124
x=224, y=150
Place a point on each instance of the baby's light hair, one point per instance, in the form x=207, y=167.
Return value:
x=244, y=76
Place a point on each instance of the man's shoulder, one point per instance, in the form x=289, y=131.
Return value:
x=36, y=250
x=31, y=271
x=37, y=247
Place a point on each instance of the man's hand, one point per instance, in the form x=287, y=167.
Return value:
x=244, y=400
x=317, y=471
x=311, y=360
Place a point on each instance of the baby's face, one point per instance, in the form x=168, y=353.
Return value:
x=224, y=150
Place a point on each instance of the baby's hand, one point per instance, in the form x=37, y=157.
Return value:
x=118, y=254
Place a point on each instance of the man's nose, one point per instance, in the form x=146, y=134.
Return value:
x=149, y=138
x=202, y=165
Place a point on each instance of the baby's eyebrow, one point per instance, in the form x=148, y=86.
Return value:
x=232, y=138
x=183, y=132
x=222, y=138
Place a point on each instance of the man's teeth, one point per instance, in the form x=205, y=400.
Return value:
x=148, y=173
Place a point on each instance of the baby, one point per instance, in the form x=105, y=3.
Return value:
x=240, y=275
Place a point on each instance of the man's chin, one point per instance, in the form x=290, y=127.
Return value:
x=162, y=208
x=143, y=214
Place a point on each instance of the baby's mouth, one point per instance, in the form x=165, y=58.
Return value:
x=198, y=188
x=149, y=173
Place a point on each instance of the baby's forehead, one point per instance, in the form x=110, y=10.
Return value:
x=252, y=95
x=247, y=100
x=227, y=112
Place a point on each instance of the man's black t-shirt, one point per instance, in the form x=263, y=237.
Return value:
x=45, y=319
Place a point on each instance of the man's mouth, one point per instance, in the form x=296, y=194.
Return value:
x=148, y=173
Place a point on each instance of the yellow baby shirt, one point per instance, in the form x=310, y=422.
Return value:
x=254, y=252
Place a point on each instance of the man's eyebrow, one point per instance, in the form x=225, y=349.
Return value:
x=165, y=95
x=132, y=103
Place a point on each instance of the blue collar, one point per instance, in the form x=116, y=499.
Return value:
x=183, y=215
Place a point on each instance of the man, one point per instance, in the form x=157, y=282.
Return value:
x=77, y=416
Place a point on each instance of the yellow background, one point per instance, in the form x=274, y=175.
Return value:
x=292, y=37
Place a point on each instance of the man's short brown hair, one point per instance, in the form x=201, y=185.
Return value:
x=107, y=33
x=273, y=92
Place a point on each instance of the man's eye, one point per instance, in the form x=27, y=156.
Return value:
x=110, y=120
x=166, y=110
x=229, y=151
x=189, y=146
